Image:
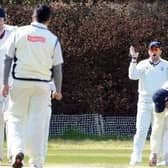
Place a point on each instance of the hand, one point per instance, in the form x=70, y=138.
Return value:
x=56, y=95
x=132, y=52
x=5, y=90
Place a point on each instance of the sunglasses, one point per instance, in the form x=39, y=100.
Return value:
x=154, y=49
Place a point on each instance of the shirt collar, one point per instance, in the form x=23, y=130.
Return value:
x=39, y=25
x=154, y=63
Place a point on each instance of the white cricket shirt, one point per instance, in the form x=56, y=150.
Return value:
x=35, y=51
x=150, y=77
x=3, y=40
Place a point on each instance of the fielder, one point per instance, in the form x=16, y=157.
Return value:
x=159, y=133
x=35, y=52
x=151, y=74
x=5, y=31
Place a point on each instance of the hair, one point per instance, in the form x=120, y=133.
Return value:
x=42, y=13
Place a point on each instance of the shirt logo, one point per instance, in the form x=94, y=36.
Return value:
x=162, y=68
x=36, y=39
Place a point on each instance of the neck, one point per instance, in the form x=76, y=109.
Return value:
x=154, y=60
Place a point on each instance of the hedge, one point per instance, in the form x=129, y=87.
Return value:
x=95, y=40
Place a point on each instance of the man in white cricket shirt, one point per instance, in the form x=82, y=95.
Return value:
x=5, y=31
x=37, y=56
x=151, y=74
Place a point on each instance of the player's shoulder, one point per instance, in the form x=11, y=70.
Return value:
x=10, y=28
x=164, y=61
x=23, y=27
x=144, y=61
x=52, y=34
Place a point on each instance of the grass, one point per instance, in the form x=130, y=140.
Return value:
x=108, y=153
x=113, y=152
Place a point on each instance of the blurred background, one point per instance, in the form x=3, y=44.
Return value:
x=95, y=36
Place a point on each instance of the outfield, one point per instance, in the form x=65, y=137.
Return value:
x=90, y=154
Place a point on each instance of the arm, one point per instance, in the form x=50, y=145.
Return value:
x=10, y=52
x=134, y=70
x=7, y=67
x=57, y=71
x=57, y=75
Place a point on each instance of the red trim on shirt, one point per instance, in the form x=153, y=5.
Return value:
x=36, y=39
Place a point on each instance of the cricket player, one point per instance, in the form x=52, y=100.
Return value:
x=37, y=55
x=5, y=31
x=159, y=133
x=151, y=74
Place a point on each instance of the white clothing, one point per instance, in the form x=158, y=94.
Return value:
x=150, y=78
x=37, y=50
x=46, y=128
x=19, y=112
x=159, y=135
x=3, y=47
x=165, y=85
x=3, y=103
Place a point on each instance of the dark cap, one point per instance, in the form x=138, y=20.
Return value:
x=2, y=13
x=154, y=44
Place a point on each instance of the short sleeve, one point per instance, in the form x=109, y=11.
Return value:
x=10, y=45
x=57, y=58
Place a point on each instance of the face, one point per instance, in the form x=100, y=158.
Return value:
x=154, y=53
x=1, y=23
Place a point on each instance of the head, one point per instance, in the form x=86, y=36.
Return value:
x=2, y=18
x=154, y=50
x=42, y=14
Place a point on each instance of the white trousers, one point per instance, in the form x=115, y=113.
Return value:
x=3, y=106
x=158, y=139
x=1, y=128
x=143, y=122
x=46, y=131
x=45, y=138
x=28, y=101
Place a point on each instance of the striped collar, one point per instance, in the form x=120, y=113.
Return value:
x=154, y=63
x=39, y=25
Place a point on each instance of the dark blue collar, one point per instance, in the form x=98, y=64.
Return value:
x=39, y=25
x=154, y=63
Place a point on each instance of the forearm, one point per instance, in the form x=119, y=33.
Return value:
x=57, y=75
x=133, y=73
x=7, y=67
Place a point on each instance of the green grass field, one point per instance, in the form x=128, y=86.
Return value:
x=91, y=153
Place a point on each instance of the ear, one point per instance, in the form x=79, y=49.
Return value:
x=33, y=18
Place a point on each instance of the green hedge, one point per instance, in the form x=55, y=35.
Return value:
x=95, y=41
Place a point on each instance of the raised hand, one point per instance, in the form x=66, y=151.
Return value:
x=133, y=53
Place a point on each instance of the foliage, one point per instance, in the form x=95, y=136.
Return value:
x=95, y=39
